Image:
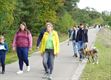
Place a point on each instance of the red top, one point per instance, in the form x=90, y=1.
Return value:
x=22, y=39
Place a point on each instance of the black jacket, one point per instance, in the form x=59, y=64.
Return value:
x=82, y=35
x=73, y=34
x=40, y=36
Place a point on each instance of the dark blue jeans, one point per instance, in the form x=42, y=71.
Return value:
x=22, y=54
x=2, y=59
x=48, y=60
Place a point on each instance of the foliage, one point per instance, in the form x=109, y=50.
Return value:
x=6, y=14
x=65, y=22
x=62, y=13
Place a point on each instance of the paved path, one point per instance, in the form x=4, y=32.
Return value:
x=66, y=66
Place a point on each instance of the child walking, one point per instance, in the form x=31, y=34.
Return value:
x=3, y=50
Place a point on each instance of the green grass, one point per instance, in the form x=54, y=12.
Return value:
x=12, y=56
x=101, y=71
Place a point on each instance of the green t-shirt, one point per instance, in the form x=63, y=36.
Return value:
x=49, y=42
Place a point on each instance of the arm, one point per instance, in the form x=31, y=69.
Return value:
x=6, y=47
x=86, y=36
x=57, y=43
x=30, y=40
x=14, y=41
x=40, y=37
x=77, y=36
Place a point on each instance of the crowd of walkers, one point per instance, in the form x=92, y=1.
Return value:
x=79, y=37
x=47, y=44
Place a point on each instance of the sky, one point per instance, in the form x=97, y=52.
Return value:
x=99, y=5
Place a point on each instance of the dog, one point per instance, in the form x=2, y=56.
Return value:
x=90, y=54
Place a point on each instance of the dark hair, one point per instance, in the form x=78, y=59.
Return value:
x=81, y=24
x=23, y=23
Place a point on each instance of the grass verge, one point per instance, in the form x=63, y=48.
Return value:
x=102, y=71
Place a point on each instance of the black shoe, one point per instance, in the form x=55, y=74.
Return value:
x=75, y=55
x=3, y=72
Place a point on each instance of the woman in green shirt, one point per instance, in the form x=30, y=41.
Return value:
x=49, y=48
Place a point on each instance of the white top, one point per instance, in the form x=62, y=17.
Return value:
x=2, y=47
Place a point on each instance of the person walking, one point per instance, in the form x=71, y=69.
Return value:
x=81, y=39
x=73, y=39
x=40, y=39
x=69, y=32
x=69, y=35
x=49, y=48
x=22, y=43
x=3, y=51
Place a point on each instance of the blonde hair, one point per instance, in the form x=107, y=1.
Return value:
x=1, y=37
x=49, y=23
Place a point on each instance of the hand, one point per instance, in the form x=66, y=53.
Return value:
x=14, y=48
x=42, y=54
x=30, y=49
x=86, y=43
x=56, y=54
x=37, y=48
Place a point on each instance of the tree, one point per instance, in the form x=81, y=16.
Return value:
x=7, y=8
x=70, y=4
x=65, y=22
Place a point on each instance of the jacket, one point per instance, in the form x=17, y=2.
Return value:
x=73, y=35
x=82, y=35
x=55, y=42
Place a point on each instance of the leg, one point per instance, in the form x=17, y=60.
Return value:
x=25, y=56
x=74, y=48
x=3, y=62
x=48, y=62
x=45, y=61
x=89, y=58
x=51, y=61
x=19, y=54
x=96, y=58
x=80, y=47
x=93, y=59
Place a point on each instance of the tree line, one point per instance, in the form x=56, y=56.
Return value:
x=62, y=13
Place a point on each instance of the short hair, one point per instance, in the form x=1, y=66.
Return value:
x=81, y=24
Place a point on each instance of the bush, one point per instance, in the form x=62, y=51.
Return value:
x=64, y=22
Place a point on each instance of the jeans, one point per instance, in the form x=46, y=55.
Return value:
x=2, y=59
x=48, y=60
x=75, y=47
x=80, y=45
x=22, y=54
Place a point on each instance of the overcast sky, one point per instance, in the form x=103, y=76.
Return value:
x=99, y=5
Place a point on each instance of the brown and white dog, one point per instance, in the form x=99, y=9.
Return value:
x=90, y=54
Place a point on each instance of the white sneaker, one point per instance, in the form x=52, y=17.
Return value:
x=28, y=68
x=20, y=72
x=50, y=77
